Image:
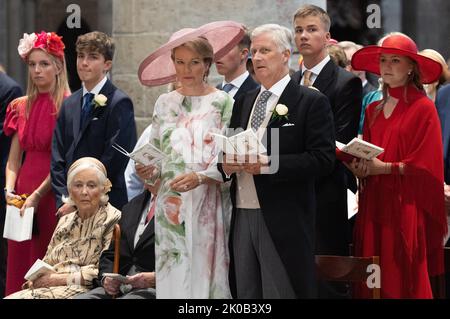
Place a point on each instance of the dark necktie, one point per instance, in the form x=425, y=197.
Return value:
x=87, y=108
x=259, y=114
x=228, y=87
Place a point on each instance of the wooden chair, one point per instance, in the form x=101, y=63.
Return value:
x=116, y=239
x=346, y=269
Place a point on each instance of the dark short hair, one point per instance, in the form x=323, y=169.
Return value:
x=245, y=41
x=96, y=41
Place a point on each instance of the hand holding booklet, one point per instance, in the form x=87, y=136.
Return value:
x=147, y=154
x=118, y=277
x=38, y=269
x=244, y=143
x=357, y=148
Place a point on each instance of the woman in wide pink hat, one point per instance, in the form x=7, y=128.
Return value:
x=193, y=210
x=401, y=208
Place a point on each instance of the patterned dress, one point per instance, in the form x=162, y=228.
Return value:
x=75, y=249
x=192, y=227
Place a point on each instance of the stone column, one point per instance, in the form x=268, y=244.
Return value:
x=140, y=26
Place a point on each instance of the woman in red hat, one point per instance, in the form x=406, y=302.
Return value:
x=401, y=209
x=30, y=121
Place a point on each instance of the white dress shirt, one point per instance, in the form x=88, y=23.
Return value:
x=315, y=71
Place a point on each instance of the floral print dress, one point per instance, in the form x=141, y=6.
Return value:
x=192, y=227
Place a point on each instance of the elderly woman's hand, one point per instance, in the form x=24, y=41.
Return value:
x=50, y=280
x=111, y=286
x=142, y=280
x=185, y=182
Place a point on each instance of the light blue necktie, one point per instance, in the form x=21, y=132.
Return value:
x=259, y=114
x=228, y=87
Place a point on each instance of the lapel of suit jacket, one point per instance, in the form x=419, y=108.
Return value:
x=247, y=107
x=325, y=77
x=136, y=209
x=289, y=97
x=75, y=111
x=107, y=90
x=149, y=231
x=248, y=85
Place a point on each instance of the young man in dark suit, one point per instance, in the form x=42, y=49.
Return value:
x=233, y=66
x=344, y=92
x=9, y=90
x=274, y=207
x=92, y=119
x=137, y=253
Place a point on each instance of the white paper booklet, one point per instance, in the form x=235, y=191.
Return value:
x=18, y=228
x=244, y=143
x=360, y=148
x=38, y=269
x=147, y=154
x=117, y=277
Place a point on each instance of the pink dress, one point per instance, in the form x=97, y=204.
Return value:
x=35, y=138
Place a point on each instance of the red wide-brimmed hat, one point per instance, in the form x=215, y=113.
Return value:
x=368, y=58
x=158, y=68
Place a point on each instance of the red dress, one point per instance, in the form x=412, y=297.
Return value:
x=35, y=137
x=402, y=217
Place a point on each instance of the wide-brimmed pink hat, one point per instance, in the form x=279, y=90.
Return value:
x=158, y=68
x=368, y=58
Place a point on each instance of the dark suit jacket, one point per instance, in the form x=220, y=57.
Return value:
x=367, y=89
x=344, y=91
x=9, y=90
x=113, y=123
x=287, y=197
x=443, y=108
x=143, y=255
x=248, y=85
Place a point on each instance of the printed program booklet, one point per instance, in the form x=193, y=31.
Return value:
x=244, y=143
x=38, y=269
x=18, y=228
x=357, y=148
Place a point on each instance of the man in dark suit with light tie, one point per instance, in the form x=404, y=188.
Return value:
x=233, y=66
x=344, y=92
x=274, y=205
x=9, y=90
x=92, y=119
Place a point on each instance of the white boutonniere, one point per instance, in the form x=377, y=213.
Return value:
x=280, y=112
x=99, y=100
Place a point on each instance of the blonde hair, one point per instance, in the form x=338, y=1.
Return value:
x=60, y=89
x=315, y=11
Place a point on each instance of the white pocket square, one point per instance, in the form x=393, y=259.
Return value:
x=95, y=119
x=288, y=124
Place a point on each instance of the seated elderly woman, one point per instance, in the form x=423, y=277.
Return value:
x=79, y=237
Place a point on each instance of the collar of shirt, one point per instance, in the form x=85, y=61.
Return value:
x=96, y=90
x=237, y=82
x=276, y=90
x=316, y=69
